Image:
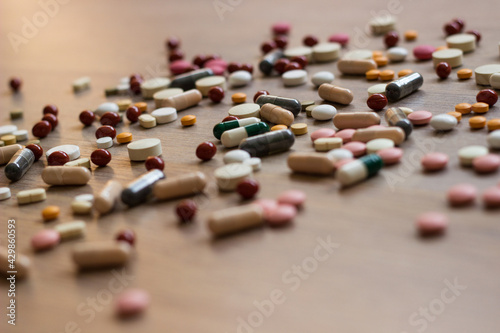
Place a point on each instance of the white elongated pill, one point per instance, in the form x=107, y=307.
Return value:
x=165, y=115
x=469, y=153
x=322, y=77
x=323, y=112
x=375, y=145
x=85, y=197
x=4, y=193
x=107, y=107
x=397, y=54
x=326, y=144
x=140, y=150
x=294, y=77
x=29, y=196
x=236, y=156
x=153, y=85
x=228, y=176
x=493, y=139
x=73, y=151
x=239, y=78
x=443, y=122
x=495, y=81
x=71, y=230
x=104, y=142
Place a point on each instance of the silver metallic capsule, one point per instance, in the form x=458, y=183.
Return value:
x=403, y=86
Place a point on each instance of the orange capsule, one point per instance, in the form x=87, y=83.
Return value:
x=493, y=124
x=372, y=74
x=477, y=122
x=387, y=75
x=480, y=107
x=464, y=73
x=463, y=108
x=50, y=213
x=456, y=114
x=404, y=72
x=188, y=120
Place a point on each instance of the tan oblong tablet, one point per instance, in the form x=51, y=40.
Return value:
x=326, y=144
x=311, y=163
x=229, y=175
x=180, y=186
x=29, y=196
x=454, y=57
x=184, y=100
x=107, y=198
x=61, y=175
x=101, y=254
x=276, y=114
x=81, y=207
x=394, y=133
x=161, y=95
x=83, y=162
x=21, y=264
x=140, y=150
x=355, y=120
x=234, y=219
x=71, y=230
x=206, y=83
x=356, y=66
x=7, y=152
x=335, y=94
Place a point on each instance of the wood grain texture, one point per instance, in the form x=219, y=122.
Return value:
x=380, y=275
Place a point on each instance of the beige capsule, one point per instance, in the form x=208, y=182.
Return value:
x=7, y=152
x=336, y=94
x=311, y=163
x=107, y=198
x=356, y=66
x=61, y=175
x=81, y=207
x=180, y=186
x=101, y=254
x=234, y=219
x=21, y=263
x=71, y=230
x=355, y=120
x=183, y=101
x=276, y=114
x=395, y=134
x=32, y=195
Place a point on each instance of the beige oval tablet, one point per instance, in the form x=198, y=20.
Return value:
x=159, y=96
x=71, y=230
x=377, y=89
x=464, y=42
x=147, y=121
x=29, y=196
x=325, y=52
x=228, y=176
x=140, y=150
x=204, y=84
x=355, y=66
x=81, y=207
x=299, y=51
x=483, y=73
x=362, y=54
x=234, y=219
x=245, y=110
x=454, y=57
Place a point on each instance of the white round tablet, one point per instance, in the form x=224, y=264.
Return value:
x=454, y=57
x=7, y=129
x=104, y=142
x=397, y=54
x=375, y=145
x=464, y=42
x=483, y=73
x=228, y=176
x=4, y=193
x=254, y=162
x=147, y=121
x=151, y=86
x=236, y=156
x=468, y=153
x=164, y=115
x=443, y=122
x=204, y=84
x=239, y=78
x=339, y=154
x=294, y=77
x=73, y=151
x=326, y=52
x=106, y=107
x=382, y=24
x=323, y=112
x=245, y=110
x=140, y=150
x=20, y=135
x=322, y=77
x=493, y=139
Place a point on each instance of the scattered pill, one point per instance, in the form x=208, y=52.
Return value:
x=206, y=151
x=30, y=196
x=464, y=73
x=236, y=156
x=375, y=145
x=355, y=66
x=462, y=195
x=299, y=128
x=58, y=158
x=4, y=193
x=493, y=139
x=463, y=108
x=358, y=170
x=41, y=129
x=100, y=157
x=423, y=52
x=106, y=199
x=109, y=118
x=81, y=207
x=355, y=120
x=186, y=210
x=477, y=122
x=239, y=78
x=188, y=120
x=443, y=70
x=493, y=124
x=92, y=255
x=322, y=77
x=233, y=137
x=443, y=122
x=154, y=162
x=480, y=107
x=357, y=148
x=140, y=150
x=403, y=86
x=50, y=213
x=467, y=154
x=247, y=188
x=486, y=164
x=322, y=133
x=420, y=117
x=455, y=114
x=294, y=78
x=491, y=197
x=19, y=164
x=62, y=175
x=373, y=74
x=310, y=163
x=377, y=102
x=71, y=230
x=45, y=239
x=487, y=96
x=228, y=176
x=235, y=219
x=245, y=110
x=431, y=224
x=105, y=131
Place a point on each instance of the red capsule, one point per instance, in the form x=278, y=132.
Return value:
x=301, y=60
x=100, y=157
x=154, y=162
x=58, y=158
x=173, y=43
x=229, y=118
x=87, y=117
x=216, y=94
x=488, y=96
x=133, y=113
x=110, y=118
x=41, y=129
x=15, y=84
x=247, y=188
x=268, y=46
x=292, y=66
x=175, y=55
x=443, y=70
x=186, y=210
x=36, y=149
x=51, y=119
x=377, y=102
x=281, y=41
x=105, y=130
x=391, y=39
x=280, y=65
x=310, y=40
x=127, y=235
x=206, y=150
x=50, y=108
x=259, y=93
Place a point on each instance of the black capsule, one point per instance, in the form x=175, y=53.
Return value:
x=268, y=143
x=140, y=189
x=266, y=65
x=396, y=117
x=290, y=104
x=187, y=81
x=403, y=86
x=19, y=164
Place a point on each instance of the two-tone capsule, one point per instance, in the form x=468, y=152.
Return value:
x=188, y=81
x=268, y=143
x=289, y=104
x=396, y=117
x=139, y=190
x=266, y=65
x=233, y=137
x=360, y=169
x=229, y=125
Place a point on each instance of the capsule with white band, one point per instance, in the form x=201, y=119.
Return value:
x=233, y=137
x=220, y=128
x=359, y=170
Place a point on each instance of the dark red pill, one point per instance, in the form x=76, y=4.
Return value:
x=105, y=130
x=173, y=43
x=443, y=70
x=154, y=162
x=292, y=66
x=281, y=41
x=229, y=118
x=133, y=113
x=451, y=28
x=233, y=67
x=247, y=188
x=279, y=66
x=36, y=149
x=127, y=235
x=391, y=39
x=475, y=33
x=51, y=119
x=488, y=96
x=301, y=60
x=41, y=129
x=15, y=84
x=135, y=87
x=460, y=22
x=310, y=40
x=87, y=117
x=216, y=94
x=268, y=46
x=206, y=150
x=110, y=118
x=260, y=93
x=377, y=102
x=50, y=108
x=186, y=210
x=136, y=77
x=100, y=157
x=200, y=60
x=58, y=158
x=247, y=67
x=175, y=55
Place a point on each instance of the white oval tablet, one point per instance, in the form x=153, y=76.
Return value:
x=151, y=86
x=443, y=122
x=7, y=129
x=493, y=139
x=375, y=145
x=140, y=150
x=377, y=89
x=73, y=151
x=339, y=154
x=299, y=51
x=107, y=107
x=239, y=78
x=323, y=112
x=4, y=193
x=104, y=142
x=245, y=110
x=204, y=84
x=228, y=176
x=397, y=54
x=382, y=24
x=322, y=77
x=454, y=57
x=164, y=115
x=85, y=197
x=406, y=110
x=236, y=156
x=468, y=153
x=294, y=77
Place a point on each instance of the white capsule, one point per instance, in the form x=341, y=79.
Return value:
x=232, y=138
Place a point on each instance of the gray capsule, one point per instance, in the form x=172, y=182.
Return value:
x=187, y=81
x=140, y=189
x=396, y=117
x=290, y=104
x=19, y=164
x=403, y=86
x=266, y=65
x=268, y=143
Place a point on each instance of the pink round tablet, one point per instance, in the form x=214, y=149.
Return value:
x=132, y=302
x=267, y=205
x=281, y=28
x=434, y=161
x=340, y=38
x=345, y=134
x=390, y=155
x=491, y=197
x=420, y=117
x=357, y=148
x=323, y=133
x=179, y=67
x=45, y=239
x=339, y=164
x=218, y=70
x=432, y=223
x=281, y=215
x=292, y=197
x=216, y=63
x=486, y=163
x=423, y=52
x=462, y=194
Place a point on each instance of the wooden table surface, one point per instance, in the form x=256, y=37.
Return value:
x=378, y=276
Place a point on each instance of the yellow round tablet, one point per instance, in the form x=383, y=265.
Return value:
x=142, y=106
x=299, y=128
x=124, y=137
x=188, y=120
x=278, y=127
x=239, y=98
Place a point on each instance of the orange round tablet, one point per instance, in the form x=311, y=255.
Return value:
x=456, y=114
x=50, y=213
x=372, y=74
x=188, y=120
x=239, y=98
x=142, y=106
x=124, y=137
x=387, y=75
x=463, y=108
x=299, y=128
x=480, y=107
x=464, y=73
x=278, y=127
x=381, y=61
x=477, y=122
x=404, y=72
x=493, y=124
x=377, y=54
x=411, y=35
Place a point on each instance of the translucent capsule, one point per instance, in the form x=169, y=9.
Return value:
x=268, y=143
x=290, y=104
x=396, y=117
x=266, y=65
x=220, y=128
x=187, y=81
x=403, y=86
x=358, y=170
x=139, y=190
x=19, y=164
x=233, y=137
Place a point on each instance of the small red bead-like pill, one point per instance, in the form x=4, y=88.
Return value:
x=260, y=93
x=443, y=70
x=216, y=94
x=206, y=150
x=247, y=188
x=41, y=129
x=58, y=158
x=105, y=130
x=247, y=67
x=51, y=119
x=268, y=46
x=475, y=33
x=310, y=40
x=100, y=157
x=391, y=39
x=133, y=113
x=175, y=55
x=110, y=118
x=87, y=117
x=301, y=60
x=199, y=60
x=292, y=66
x=280, y=65
x=377, y=102
x=229, y=118
x=126, y=235
x=135, y=87
x=491, y=197
x=281, y=41
x=233, y=67
x=186, y=210
x=432, y=223
x=173, y=43
x=154, y=162
x=460, y=22
x=36, y=149
x=15, y=84
x=451, y=28
x=488, y=96
x=50, y=108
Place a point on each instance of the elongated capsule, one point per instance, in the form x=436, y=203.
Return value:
x=266, y=65
x=396, y=117
x=101, y=254
x=355, y=120
x=233, y=137
x=19, y=164
x=21, y=264
x=105, y=201
x=395, y=134
x=276, y=114
x=234, y=219
x=187, y=81
x=139, y=189
x=403, y=86
x=180, y=186
x=311, y=163
x=355, y=66
x=61, y=175
x=268, y=143
x=228, y=125
x=289, y=104
x=335, y=94
x=7, y=152
x=183, y=101
x=360, y=169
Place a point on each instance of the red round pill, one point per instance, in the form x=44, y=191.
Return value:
x=357, y=148
x=259, y=93
x=199, y=60
x=280, y=65
x=451, y=28
x=133, y=113
x=110, y=118
x=36, y=149
x=58, y=158
x=377, y=102
x=186, y=210
x=87, y=117
x=173, y=43
x=100, y=157
x=443, y=70
x=292, y=65
x=268, y=46
x=247, y=188
x=51, y=119
x=475, y=33
x=301, y=60
x=41, y=129
x=15, y=84
x=340, y=38
x=391, y=39
x=216, y=94
x=233, y=67
x=105, y=130
x=154, y=162
x=310, y=40
x=175, y=55
x=281, y=28
x=126, y=235
x=281, y=41
x=460, y=22
x=488, y=96
x=206, y=150
x=50, y=108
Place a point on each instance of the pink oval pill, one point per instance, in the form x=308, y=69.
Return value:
x=216, y=63
x=179, y=67
x=281, y=215
x=267, y=205
x=340, y=38
x=491, y=197
x=217, y=70
x=390, y=155
x=357, y=148
x=281, y=28
x=486, y=163
x=323, y=133
x=423, y=52
x=462, y=194
x=420, y=117
x=377, y=126
x=345, y=134
x=434, y=161
x=432, y=223
x=45, y=239
x=292, y=197
x=132, y=302
x=339, y=164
